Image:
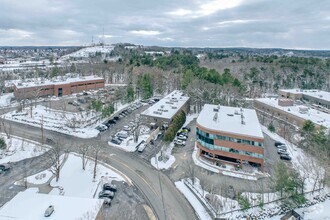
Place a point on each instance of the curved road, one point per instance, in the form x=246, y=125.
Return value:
x=142, y=174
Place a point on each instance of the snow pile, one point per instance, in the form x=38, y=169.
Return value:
x=164, y=164
x=20, y=149
x=199, y=208
x=5, y=99
x=80, y=124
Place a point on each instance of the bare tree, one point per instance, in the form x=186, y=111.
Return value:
x=6, y=129
x=83, y=150
x=136, y=128
x=190, y=170
x=96, y=150
x=55, y=160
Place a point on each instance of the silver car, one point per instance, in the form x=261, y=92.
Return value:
x=49, y=211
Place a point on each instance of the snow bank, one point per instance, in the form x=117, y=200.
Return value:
x=199, y=208
x=5, y=99
x=161, y=164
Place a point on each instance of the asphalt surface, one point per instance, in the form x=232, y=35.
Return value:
x=143, y=175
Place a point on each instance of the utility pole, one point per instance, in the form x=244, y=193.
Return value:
x=160, y=185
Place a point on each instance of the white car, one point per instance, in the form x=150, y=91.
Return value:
x=181, y=137
x=126, y=128
x=179, y=142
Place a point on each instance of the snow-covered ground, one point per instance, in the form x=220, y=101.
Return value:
x=199, y=208
x=5, y=99
x=189, y=119
x=306, y=165
x=88, y=51
x=56, y=120
x=319, y=211
x=164, y=164
x=77, y=182
x=20, y=149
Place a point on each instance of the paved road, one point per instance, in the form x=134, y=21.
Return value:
x=143, y=175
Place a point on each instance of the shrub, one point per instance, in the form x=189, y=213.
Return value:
x=3, y=144
x=271, y=127
x=244, y=202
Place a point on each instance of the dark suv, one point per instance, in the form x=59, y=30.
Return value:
x=106, y=194
x=109, y=186
x=4, y=167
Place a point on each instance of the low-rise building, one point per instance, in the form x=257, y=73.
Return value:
x=230, y=135
x=312, y=96
x=288, y=112
x=64, y=85
x=163, y=111
x=30, y=205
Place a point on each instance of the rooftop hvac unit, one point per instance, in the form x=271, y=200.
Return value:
x=162, y=106
x=231, y=115
x=216, y=110
x=215, y=117
x=236, y=112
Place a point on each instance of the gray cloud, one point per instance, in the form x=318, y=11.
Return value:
x=241, y=23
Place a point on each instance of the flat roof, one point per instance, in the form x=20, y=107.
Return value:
x=30, y=205
x=319, y=94
x=168, y=106
x=35, y=82
x=228, y=119
x=302, y=111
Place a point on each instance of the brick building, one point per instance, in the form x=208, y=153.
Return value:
x=230, y=135
x=60, y=86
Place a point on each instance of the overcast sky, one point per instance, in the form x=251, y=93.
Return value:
x=214, y=23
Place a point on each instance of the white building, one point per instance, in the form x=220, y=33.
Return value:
x=30, y=205
x=165, y=109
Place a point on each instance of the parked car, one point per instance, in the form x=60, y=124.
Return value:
x=102, y=127
x=181, y=137
x=285, y=157
x=186, y=128
x=142, y=147
x=111, y=121
x=282, y=147
x=284, y=153
x=75, y=103
x=106, y=194
x=279, y=151
x=49, y=211
x=115, y=141
x=107, y=201
x=110, y=186
x=122, y=134
x=116, y=118
x=5, y=166
x=278, y=143
x=126, y=128
x=179, y=142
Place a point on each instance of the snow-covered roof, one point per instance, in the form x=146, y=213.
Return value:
x=168, y=106
x=228, y=119
x=312, y=92
x=30, y=205
x=34, y=82
x=301, y=111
